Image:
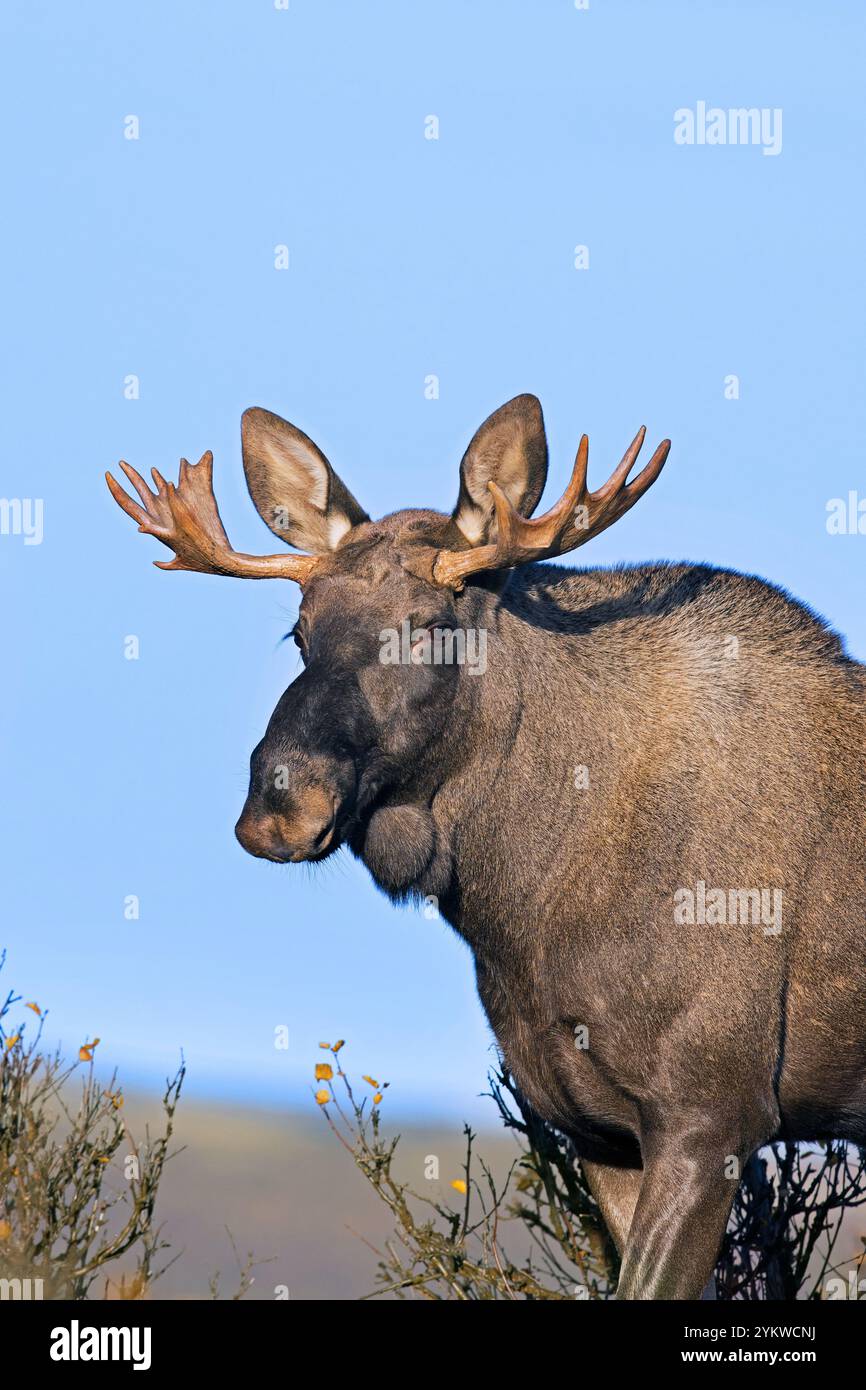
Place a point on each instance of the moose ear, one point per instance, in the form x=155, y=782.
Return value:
x=509, y=449
x=295, y=489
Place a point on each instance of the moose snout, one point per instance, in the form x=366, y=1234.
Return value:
x=306, y=830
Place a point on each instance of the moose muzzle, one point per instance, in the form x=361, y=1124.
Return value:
x=303, y=831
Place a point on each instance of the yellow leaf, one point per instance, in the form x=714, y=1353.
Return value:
x=338, y=1045
x=370, y=1082
x=35, y=1007
x=326, y=1046
x=459, y=1186
x=102, y=1160
x=324, y=1072
x=84, y=1054
x=5, y=1230
x=377, y=1099
x=322, y=1097
x=10, y=1042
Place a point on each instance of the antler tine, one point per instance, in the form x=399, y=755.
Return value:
x=581, y=463
x=573, y=520
x=126, y=503
x=185, y=517
x=561, y=516
x=516, y=533
x=624, y=467
x=648, y=474
x=623, y=498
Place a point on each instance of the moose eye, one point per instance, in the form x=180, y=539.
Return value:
x=298, y=639
x=426, y=625
x=425, y=639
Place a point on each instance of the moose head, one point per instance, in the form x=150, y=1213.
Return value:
x=353, y=727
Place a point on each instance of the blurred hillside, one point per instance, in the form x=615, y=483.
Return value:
x=287, y=1191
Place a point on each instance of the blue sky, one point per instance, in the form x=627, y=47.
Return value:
x=407, y=257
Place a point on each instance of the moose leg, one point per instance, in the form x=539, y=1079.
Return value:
x=616, y=1191
x=679, y=1220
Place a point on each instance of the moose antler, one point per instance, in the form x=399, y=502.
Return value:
x=576, y=518
x=186, y=519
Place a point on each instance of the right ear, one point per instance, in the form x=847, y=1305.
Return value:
x=509, y=449
x=295, y=490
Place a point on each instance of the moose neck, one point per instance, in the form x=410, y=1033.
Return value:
x=488, y=821
x=511, y=802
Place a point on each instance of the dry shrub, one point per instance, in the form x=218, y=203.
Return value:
x=780, y=1241
x=77, y=1192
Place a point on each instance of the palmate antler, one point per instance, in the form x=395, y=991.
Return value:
x=576, y=518
x=185, y=517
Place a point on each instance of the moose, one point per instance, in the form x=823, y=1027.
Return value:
x=651, y=753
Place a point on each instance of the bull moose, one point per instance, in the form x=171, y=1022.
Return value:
x=647, y=817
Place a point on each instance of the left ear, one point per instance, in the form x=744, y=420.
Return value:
x=509, y=449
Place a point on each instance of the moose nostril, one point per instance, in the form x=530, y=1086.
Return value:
x=323, y=838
